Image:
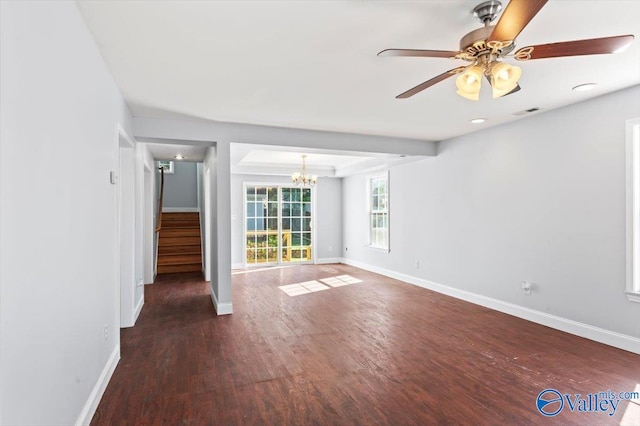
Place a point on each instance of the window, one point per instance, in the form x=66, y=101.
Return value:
x=379, y=211
x=633, y=209
x=278, y=225
x=166, y=165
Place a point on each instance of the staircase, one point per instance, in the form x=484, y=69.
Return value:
x=179, y=248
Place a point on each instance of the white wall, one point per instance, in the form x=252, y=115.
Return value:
x=217, y=166
x=148, y=218
x=541, y=199
x=58, y=270
x=328, y=214
x=127, y=231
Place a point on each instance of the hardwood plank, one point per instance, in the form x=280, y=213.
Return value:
x=379, y=352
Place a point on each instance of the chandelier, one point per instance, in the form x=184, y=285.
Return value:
x=302, y=177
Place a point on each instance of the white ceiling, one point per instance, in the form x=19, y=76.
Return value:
x=283, y=161
x=168, y=151
x=313, y=64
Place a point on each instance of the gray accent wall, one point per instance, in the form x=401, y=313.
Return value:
x=181, y=187
x=540, y=199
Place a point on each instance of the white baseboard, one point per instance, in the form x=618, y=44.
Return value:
x=136, y=312
x=601, y=335
x=237, y=265
x=91, y=405
x=326, y=260
x=221, y=308
x=180, y=209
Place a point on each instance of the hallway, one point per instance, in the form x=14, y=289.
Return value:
x=377, y=351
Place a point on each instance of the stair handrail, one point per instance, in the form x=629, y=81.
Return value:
x=159, y=217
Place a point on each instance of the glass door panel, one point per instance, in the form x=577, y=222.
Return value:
x=261, y=228
x=278, y=225
x=296, y=225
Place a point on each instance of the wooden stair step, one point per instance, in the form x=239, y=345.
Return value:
x=170, y=269
x=179, y=232
x=181, y=216
x=180, y=249
x=179, y=259
x=178, y=241
x=180, y=224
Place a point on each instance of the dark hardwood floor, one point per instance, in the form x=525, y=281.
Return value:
x=378, y=352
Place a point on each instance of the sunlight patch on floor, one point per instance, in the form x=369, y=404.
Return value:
x=313, y=286
x=303, y=288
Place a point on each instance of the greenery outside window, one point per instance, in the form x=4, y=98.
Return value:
x=378, y=189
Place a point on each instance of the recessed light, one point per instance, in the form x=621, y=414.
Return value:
x=584, y=87
x=178, y=157
x=478, y=120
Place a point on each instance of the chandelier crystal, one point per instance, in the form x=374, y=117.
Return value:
x=302, y=178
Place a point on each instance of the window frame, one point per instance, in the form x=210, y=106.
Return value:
x=279, y=186
x=633, y=209
x=168, y=168
x=370, y=212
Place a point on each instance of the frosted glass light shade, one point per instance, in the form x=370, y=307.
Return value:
x=468, y=83
x=504, y=78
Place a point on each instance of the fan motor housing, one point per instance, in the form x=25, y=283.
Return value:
x=474, y=44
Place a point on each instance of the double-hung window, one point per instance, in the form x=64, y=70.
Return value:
x=379, y=211
x=633, y=210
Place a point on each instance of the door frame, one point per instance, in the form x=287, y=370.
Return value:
x=278, y=185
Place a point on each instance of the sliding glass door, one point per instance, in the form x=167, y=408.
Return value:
x=277, y=225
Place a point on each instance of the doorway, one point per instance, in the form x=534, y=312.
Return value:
x=278, y=225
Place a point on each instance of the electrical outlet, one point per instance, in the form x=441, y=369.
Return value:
x=526, y=287
x=140, y=283
x=417, y=264
x=106, y=332
x=330, y=248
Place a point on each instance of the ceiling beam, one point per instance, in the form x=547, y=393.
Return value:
x=212, y=131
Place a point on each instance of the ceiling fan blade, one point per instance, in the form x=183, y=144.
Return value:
x=515, y=17
x=594, y=46
x=418, y=53
x=420, y=87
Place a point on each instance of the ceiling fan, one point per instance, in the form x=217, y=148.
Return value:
x=486, y=46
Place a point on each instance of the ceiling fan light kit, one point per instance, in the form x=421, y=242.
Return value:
x=468, y=83
x=486, y=46
x=504, y=78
